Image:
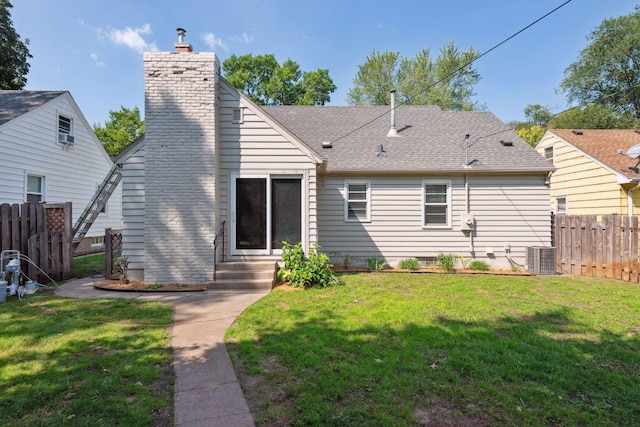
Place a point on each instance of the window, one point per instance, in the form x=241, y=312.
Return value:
x=548, y=152
x=65, y=125
x=357, y=201
x=561, y=205
x=437, y=203
x=238, y=115
x=97, y=241
x=35, y=188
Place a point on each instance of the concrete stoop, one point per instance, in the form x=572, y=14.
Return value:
x=245, y=275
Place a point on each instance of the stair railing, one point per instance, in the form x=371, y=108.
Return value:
x=218, y=240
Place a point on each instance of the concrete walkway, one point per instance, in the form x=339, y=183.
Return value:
x=206, y=391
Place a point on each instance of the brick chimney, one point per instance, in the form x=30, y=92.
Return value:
x=181, y=173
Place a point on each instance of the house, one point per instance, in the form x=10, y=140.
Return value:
x=593, y=173
x=49, y=153
x=392, y=183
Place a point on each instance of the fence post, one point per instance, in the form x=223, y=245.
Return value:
x=108, y=253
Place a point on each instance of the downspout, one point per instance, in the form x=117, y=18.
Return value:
x=467, y=211
x=630, y=199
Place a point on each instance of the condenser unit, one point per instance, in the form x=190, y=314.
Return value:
x=541, y=260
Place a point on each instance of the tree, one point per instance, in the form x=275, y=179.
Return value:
x=13, y=51
x=122, y=129
x=607, y=71
x=537, y=114
x=267, y=82
x=447, y=81
x=594, y=116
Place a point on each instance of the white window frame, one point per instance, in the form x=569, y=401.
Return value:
x=97, y=241
x=545, y=152
x=557, y=211
x=367, y=200
x=42, y=186
x=446, y=182
x=70, y=119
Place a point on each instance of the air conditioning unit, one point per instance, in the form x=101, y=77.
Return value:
x=541, y=260
x=65, y=138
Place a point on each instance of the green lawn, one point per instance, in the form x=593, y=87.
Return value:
x=405, y=349
x=88, y=265
x=84, y=362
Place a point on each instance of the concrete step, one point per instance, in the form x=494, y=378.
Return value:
x=245, y=275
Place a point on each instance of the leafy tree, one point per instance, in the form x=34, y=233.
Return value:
x=447, y=81
x=531, y=133
x=594, y=116
x=267, y=82
x=122, y=129
x=537, y=114
x=607, y=71
x=13, y=51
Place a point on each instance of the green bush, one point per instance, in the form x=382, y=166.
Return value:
x=447, y=262
x=476, y=264
x=313, y=270
x=409, y=264
x=375, y=263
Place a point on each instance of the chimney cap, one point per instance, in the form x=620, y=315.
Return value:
x=181, y=45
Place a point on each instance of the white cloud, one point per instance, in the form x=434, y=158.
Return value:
x=133, y=38
x=212, y=41
x=96, y=59
x=247, y=38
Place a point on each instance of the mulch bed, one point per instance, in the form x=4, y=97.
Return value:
x=139, y=286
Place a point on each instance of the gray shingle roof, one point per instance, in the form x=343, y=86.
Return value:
x=431, y=139
x=14, y=103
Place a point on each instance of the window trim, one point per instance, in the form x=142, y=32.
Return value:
x=544, y=152
x=367, y=200
x=42, y=186
x=556, y=205
x=426, y=182
x=71, y=124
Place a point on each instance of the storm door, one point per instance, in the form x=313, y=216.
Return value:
x=266, y=210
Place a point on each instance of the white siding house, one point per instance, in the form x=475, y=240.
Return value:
x=49, y=153
x=449, y=182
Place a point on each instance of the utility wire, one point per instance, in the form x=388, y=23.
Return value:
x=462, y=67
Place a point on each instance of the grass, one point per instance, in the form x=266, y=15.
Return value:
x=406, y=349
x=84, y=362
x=88, y=265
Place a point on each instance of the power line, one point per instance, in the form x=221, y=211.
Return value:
x=447, y=77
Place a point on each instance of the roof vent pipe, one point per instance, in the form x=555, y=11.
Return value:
x=393, y=132
x=181, y=33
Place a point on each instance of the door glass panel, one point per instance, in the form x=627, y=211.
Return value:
x=251, y=213
x=286, y=211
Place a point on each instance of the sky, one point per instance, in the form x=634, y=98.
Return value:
x=93, y=48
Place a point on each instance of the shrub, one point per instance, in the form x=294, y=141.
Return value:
x=409, y=264
x=313, y=270
x=375, y=263
x=476, y=264
x=447, y=262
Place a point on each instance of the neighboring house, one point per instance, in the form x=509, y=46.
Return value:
x=593, y=174
x=326, y=175
x=49, y=153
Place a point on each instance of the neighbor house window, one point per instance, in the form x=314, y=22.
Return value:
x=35, y=188
x=97, y=241
x=548, y=152
x=561, y=205
x=357, y=201
x=437, y=203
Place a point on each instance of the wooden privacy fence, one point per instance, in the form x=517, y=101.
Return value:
x=587, y=247
x=42, y=232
